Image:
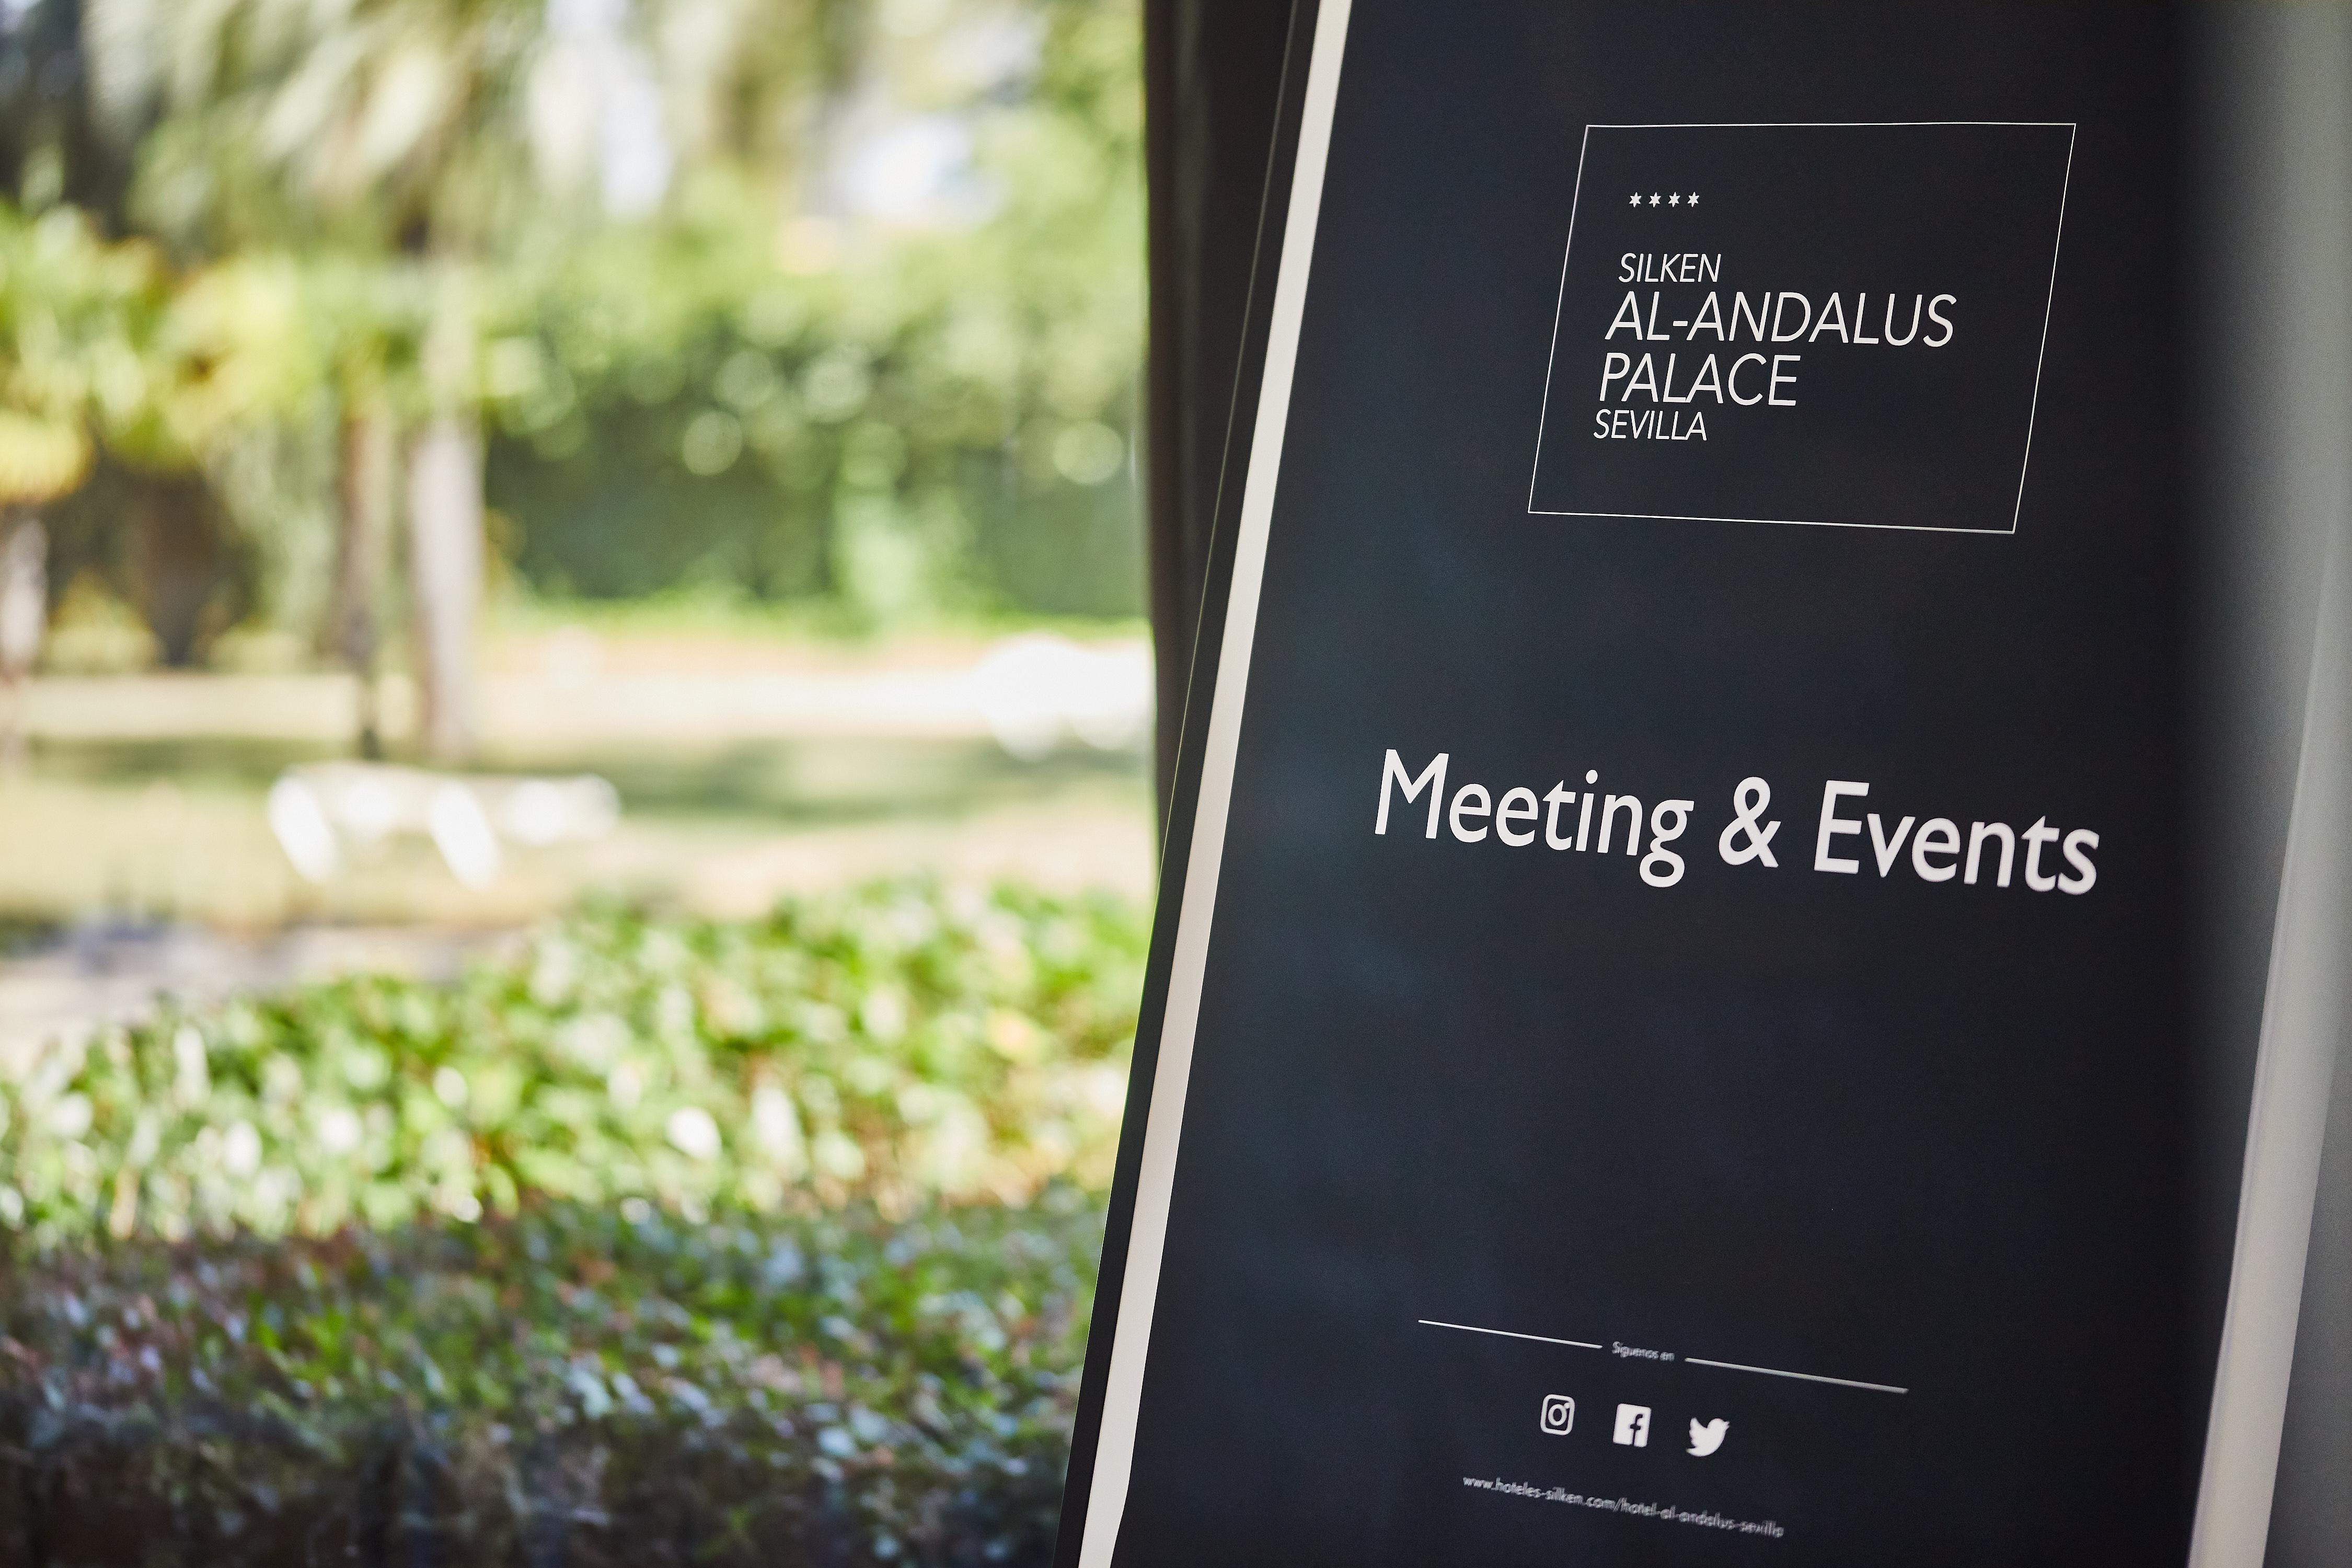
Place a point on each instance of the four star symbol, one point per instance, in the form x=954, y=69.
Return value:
x=1672, y=201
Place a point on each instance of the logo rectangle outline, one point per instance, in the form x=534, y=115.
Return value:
x=1559, y=306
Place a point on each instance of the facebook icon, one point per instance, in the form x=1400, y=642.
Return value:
x=1634, y=1425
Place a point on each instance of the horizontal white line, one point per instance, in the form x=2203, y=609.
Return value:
x=1776, y=522
x=1808, y=124
x=1688, y=1360
x=1807, y=1376
x=1507, y=1335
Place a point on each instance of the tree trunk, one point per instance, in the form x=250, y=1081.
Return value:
x=371, y=454
x=183, y=575
x=444, y=541
x=24, y=621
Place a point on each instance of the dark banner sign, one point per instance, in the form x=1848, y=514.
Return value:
x=1676, y=1028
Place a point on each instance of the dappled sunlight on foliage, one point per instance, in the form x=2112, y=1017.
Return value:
x=899, y=1044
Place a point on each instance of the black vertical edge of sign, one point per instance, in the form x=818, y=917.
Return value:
x=1184, y=801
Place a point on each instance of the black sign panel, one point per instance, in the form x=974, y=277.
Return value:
x=1670, y=1034
x=1803, y=324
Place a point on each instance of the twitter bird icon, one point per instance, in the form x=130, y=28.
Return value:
x=1707, y=1436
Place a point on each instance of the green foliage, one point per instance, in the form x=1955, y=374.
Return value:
x=394, y=204
x=565, y=1387
x=906, y=422
x=899, y=1044
x=78, y=316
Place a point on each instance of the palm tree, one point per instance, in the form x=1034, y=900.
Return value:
x=387, y=137
x=436, y=137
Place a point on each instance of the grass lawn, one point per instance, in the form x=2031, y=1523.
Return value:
x=752, y=759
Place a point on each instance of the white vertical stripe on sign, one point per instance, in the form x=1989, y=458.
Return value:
x=1131, y=1335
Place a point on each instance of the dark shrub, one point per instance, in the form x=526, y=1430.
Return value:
x=562, y=1387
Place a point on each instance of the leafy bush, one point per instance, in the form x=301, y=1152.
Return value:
x=565, y=1387
x=897, y=1044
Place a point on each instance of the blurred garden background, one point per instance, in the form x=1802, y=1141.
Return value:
x=575, y=806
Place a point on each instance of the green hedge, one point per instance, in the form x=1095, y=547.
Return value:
x=659, y=1241
x=565, y=1387
x=899, y=1044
